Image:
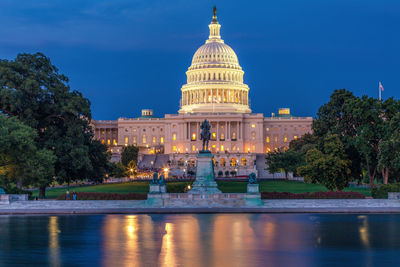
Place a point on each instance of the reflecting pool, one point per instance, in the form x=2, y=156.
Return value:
x=200, y=240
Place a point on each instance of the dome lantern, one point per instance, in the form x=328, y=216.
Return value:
x=215, y=27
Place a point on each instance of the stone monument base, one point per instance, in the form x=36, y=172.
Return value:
x=253, y=188
x=204, y=182
x=185, y=200
x=8, y=198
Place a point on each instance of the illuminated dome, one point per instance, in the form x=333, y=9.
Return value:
x=215, y=78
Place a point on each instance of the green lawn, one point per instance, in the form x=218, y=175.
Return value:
x=130, y=187
x=226, y=187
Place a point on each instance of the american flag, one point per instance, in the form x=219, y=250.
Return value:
x=380, y=86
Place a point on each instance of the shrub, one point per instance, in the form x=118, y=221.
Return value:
x=314, y=195
x=177, y=187
x=104, y=196
x=382, y=191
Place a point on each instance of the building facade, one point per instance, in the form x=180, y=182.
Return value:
x=214, y=91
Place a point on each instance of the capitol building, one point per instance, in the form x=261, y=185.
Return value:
x=215, y=90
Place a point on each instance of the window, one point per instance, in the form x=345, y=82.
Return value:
x=174, y=148
x=233, y=148
x=276, y=129
x=295, y=137
x=108, y=141
x=144, y=140
x=174, y=126
x=222, y=148
x=285, y=139
x=253, y=148
x=253, y=126
x=193, y=137
x=162, y=140
x=276, y=138
x=102, y=132
x=214, y=136
x=233, y=136
x=134, y=130
x=244, y=161
x=126, y=140
x=223, y=162
x=222, y=136
x=267, y=129
x=233, y=162
x=253, y=136
x=267, y=139
x=268, y=149
x=193, y=148
x=174, y=136
x=303, y=129
x=102, y=141
x=154, y=139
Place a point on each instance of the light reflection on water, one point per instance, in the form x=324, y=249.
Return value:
x=200, y=240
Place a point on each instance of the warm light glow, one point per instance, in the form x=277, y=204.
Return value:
x=174, y=148
x=295, y=137
x=285, y=139
x=165, y=169
x=267, y=139
x=194, y=137
x=174, y=136
x=284, y=111
x=253, y=126
x=162, y=140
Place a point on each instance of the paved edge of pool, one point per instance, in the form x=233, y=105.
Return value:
x=195, y=210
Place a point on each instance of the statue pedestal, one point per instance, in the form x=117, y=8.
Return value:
x=154, y=189
x=253, y=188
x=204, y=182
x=163, y=188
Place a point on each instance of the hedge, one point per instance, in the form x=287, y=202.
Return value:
x=314, y=195
x=104, y=196
x=177, y=187
x=382, y=191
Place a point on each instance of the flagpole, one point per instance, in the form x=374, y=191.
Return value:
x=380, y=92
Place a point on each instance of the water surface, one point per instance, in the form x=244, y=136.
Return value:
x=200, y=240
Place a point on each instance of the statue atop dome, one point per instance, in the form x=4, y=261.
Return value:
x=214, y=19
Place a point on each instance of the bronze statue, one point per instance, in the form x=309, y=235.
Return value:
x=252, y=178
x=215, y=11
x=205, y=134
x=161, y=180
x=155, y=178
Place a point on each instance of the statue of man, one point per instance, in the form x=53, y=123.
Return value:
x=205, y=134
x=155, y=178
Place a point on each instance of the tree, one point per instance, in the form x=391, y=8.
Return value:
x=21, y=162
x=389, y=148
x=304, y=143
x=32, y=90
x=337, y=117
x=119, y=170
x=100, y=162
x=328, y=166
x=288, y=161
x=370, y=131
x=128, y=154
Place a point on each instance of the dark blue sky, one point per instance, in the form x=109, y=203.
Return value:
x=129, y=55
